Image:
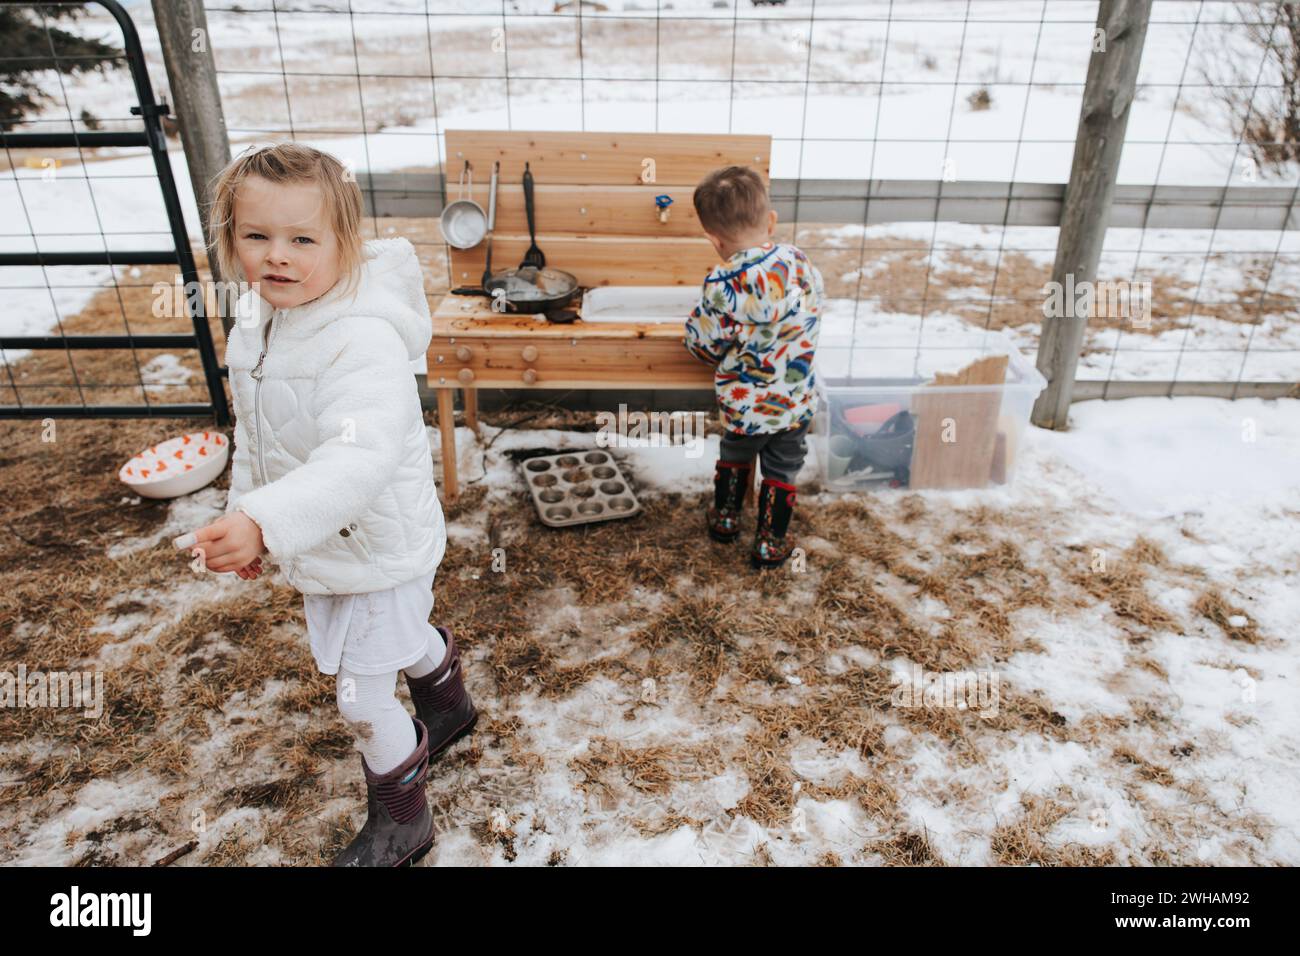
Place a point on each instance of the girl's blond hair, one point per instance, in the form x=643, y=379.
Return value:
x=289, y=163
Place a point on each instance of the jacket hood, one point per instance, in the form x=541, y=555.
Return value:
x=390, y=287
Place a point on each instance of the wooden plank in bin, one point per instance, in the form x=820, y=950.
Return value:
x=966, y=462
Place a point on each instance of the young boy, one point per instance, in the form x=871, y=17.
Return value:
x=757, y=321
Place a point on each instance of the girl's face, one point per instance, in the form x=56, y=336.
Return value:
x=283, y=241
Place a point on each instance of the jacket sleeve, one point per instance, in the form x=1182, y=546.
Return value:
x=710, y=330
x=361, y=405
x=241, y=469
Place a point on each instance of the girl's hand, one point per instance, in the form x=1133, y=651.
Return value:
x=251, y=572
x=231, y=543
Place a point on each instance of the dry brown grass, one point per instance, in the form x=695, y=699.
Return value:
x=608, y=765
x=908, y=848
x=520, y=662
x=1213, y=606
x=1146, y=770
x=898, y=275
x=1023, y=841
x=704, y=626
x=887, y=576
x=1122, y=584
x=979, y=587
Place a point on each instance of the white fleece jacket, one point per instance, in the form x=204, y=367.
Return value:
x=331, y=455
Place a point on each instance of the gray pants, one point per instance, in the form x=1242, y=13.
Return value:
x=781, y=454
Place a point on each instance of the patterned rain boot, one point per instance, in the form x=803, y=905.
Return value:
x=730, y=481
x=775, y=506
x=444, y=708
x=399, y=825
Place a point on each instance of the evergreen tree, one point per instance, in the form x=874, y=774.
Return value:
x=25, y=52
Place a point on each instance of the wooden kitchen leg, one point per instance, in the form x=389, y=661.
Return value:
x=447, y=429
x=471, y=407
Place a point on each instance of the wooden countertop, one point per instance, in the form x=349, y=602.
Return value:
x=473, y=315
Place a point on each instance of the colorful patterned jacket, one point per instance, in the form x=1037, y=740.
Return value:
x=757, y=321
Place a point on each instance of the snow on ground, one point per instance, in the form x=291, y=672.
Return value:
x=1217, y=485
x=1211, y=779
x=1214, y=483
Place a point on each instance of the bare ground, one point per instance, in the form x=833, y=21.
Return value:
x=215, y=708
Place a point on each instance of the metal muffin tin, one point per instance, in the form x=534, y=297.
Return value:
x=579, y=487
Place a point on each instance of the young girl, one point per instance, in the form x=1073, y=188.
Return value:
x=332, y=476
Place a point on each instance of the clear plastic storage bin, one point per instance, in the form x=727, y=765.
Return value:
x=927, y=414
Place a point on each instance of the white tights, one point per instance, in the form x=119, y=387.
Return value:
x=382, y=727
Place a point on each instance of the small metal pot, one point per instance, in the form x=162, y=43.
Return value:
x=464, y=224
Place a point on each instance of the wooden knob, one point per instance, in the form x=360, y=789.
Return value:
x=530, y=376
x=529, y=353
x=466, y=375
x=464, y=353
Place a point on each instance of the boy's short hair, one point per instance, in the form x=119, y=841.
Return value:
x=289, y=163
x=731, y=200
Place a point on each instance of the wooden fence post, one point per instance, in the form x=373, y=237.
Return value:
x=1103, y=118
x=196, y=102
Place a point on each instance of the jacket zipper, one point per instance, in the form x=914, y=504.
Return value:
x=256, y=373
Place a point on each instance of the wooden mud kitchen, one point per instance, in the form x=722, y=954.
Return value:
x=612, y=210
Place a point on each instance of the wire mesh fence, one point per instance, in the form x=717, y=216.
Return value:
x=920, y=150
x=911, y=102
x=83, y=334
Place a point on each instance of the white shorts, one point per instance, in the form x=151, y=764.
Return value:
x=375, y=633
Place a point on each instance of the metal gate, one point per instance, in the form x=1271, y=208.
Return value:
x=181, y=256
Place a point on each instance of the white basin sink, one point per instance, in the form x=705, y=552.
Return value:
x=639, y=303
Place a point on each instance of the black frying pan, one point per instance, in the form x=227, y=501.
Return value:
x=529, y=290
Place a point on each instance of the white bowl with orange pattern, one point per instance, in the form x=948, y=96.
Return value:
x=177, y=466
